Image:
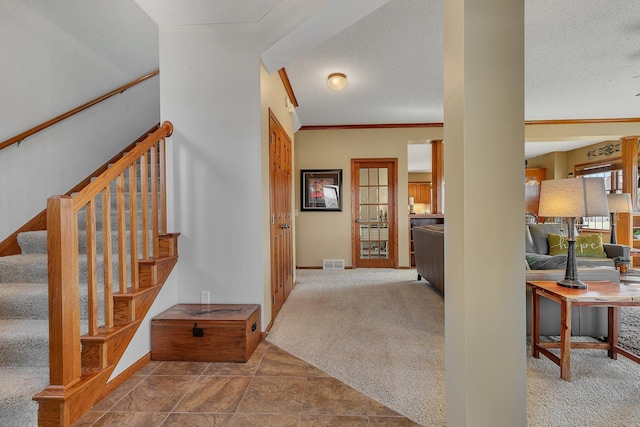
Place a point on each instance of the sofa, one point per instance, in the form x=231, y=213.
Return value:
x=538, y=256
x=540, y=265
x=428, y=247
x=585, y=321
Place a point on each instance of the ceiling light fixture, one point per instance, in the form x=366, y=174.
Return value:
x=337, y=81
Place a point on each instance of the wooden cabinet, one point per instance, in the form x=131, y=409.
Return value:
x=420, y=191
x=532, y=179
x=634, y=236
x=624, y=228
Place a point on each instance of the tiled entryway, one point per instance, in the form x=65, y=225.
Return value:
x=273, y=388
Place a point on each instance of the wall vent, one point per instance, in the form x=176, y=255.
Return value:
x=333, y=264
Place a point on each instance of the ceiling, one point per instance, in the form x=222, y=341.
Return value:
x=582, y=57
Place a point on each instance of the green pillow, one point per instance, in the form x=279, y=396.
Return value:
x=588, y=245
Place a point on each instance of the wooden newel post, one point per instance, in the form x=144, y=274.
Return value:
x=64, y=311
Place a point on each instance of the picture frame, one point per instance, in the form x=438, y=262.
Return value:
x=321, y=190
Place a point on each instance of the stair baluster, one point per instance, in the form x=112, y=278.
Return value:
x=81, y=365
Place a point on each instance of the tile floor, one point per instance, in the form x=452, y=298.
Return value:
x=273, y=388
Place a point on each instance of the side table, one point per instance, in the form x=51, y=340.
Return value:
x=604, y=294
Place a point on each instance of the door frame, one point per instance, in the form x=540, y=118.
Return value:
x=392, y=210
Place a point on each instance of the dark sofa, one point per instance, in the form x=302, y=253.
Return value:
x=428, y=245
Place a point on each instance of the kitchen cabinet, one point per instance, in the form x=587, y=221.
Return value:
x=532, y=179
x=420, y=191
x=634, y=235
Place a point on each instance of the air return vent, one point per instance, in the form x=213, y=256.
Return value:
x=333, y=264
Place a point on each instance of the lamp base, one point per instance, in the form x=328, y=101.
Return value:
x=572, y=283
x=612, y=226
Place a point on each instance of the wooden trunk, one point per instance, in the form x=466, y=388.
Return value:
x=206, y=333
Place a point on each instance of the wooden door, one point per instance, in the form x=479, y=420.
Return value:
x=280, y=205
x=373, y=200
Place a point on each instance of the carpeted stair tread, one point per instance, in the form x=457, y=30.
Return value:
x=24, y=301
x=24, y=342
x=35, y=242
x=31, y=268
x=31, y=300
x=17, y=387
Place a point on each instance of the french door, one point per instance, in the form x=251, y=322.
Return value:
x=280, y=181
x=374, y=228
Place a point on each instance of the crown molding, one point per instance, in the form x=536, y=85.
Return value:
x=373, y=126
x=582, y=121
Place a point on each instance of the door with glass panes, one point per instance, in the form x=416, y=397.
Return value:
x=373, y=201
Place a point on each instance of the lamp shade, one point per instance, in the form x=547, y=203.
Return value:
x=619, y=202
x=573, y=197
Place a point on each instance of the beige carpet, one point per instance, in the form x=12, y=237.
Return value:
x=377, y=330
x=382, y=332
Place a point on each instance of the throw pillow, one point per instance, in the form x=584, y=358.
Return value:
x=545, y=262
x=589, y=245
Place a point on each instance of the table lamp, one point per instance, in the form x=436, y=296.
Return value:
x=571, y=198
x=618, y=202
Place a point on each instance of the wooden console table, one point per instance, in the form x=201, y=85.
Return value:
x=604, y=294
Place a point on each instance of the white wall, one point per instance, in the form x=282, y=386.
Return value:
x=57, y=56
x=210, y=91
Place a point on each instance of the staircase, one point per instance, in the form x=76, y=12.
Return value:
x=74, y=279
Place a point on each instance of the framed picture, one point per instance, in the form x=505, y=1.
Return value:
x=321, y=190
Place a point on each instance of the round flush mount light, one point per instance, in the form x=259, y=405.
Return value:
x=337, y=81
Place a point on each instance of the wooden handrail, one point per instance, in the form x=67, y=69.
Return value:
x=91, y=190
x=36, y=129
x=9, y=246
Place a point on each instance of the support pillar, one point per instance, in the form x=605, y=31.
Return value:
x=485, y=357
x=630, y=168
x=437, y=176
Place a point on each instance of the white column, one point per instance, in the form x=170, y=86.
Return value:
x=484, y=247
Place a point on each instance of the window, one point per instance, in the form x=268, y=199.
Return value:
x=612, y=174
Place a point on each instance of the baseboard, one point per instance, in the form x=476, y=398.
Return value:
x=319, y=267
x=124, y=375
x=267, y=330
